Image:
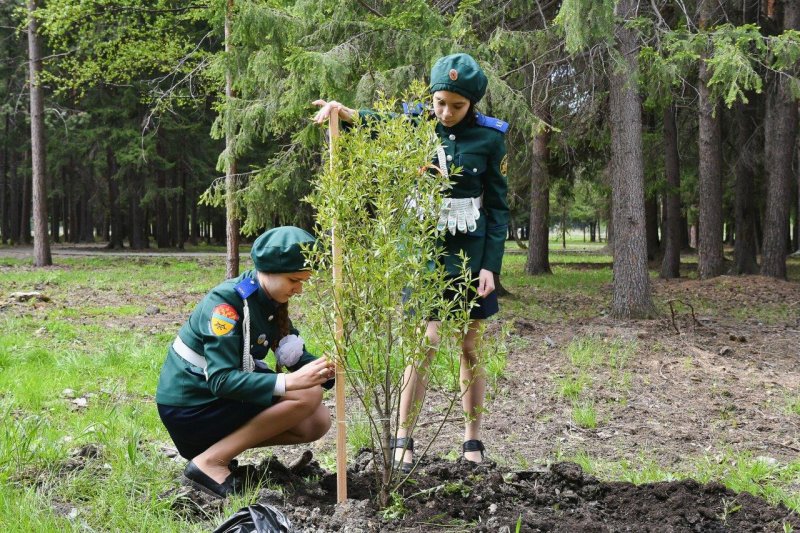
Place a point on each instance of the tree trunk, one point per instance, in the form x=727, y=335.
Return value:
x=87, y=224
x=4, y=183
x=114, y=205
x=709, y=246
x=41, y=242
x=232, y=221
x=180, y=209
x=538, y=242
x=651, y=227
x=27, y=203
x=162, y=211
x=55, y=218
x=194, y=228
x=780, y=127
x=744, y=244
x=135, y=215
x=15, y=198
x=671, y=262
x=631, y=297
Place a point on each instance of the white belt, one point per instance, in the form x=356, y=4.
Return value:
x=189, y=355
x=477, y=201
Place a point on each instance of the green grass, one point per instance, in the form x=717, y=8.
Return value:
x=571, y=387
x=584, y=414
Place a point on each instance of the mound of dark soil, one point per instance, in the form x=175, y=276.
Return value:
x=459, y=496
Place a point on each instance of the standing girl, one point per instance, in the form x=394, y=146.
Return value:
x=474, y=221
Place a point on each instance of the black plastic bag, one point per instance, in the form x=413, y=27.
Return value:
x=256, y=518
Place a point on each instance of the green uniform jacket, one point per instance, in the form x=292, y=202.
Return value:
x=479, y=152
x=183, y=384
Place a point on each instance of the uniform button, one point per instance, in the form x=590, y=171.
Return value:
x=452, y=137
x=449, y=157
x=475, y=170
x=270, y=318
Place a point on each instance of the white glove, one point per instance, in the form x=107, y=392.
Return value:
x=462, y=215
x=289, y=350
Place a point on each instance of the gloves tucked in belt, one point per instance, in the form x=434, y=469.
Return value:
x=458, y=214
x=289, y=350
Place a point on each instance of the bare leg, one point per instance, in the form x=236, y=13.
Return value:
x=473, y=387
x=277, y=424
x=415, y=384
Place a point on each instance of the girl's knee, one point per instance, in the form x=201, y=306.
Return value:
x=308, y=400
x=320, y=423
x=432, y=338
x=469, y=347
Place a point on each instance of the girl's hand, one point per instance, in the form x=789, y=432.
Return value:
x=485, y=282
x=313, y=374
x=328, y=108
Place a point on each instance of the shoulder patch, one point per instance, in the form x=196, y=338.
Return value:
x=413, y=110
x=246, y=287
x=491, y=122
x=223, y=319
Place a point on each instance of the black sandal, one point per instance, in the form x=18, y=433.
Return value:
x=403, y=443
x=473, y=445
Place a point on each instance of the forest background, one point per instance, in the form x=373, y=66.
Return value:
x=669, y=122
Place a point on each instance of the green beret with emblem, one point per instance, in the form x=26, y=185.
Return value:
x=280, y=250
x=459, y=73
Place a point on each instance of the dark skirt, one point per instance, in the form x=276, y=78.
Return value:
x=194, y=429
x=483, y=308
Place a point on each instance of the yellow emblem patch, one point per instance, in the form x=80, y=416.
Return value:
x=504, y=165
x=223, y=319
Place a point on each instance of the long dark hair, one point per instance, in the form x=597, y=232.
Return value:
x=282, y=319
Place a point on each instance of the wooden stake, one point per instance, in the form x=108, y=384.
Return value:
x=341, y=423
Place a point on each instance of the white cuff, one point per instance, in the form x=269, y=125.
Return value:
x=280, y=385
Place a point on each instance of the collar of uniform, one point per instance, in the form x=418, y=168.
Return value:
x=264, y=301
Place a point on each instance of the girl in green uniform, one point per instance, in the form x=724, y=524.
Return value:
x=216, y=396
x=474, y=221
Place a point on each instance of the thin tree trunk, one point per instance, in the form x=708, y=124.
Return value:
x=4, y=183
x=538, y=242
x=744, y=244
x=710, y=258
x=671, y=262
x=232, y=221
x=135, y=217
x=27, y=203
x=15, y=198
x=651, y=227
x=115, y=239
x=631, y=298
x=780, y=136
x=194, y=228
x=41, y=242
x=55, y=219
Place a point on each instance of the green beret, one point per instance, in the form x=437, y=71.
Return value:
x=459, y=73
x=281, y=250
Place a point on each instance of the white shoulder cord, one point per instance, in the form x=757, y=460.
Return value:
x=247, y=360
x=442, y=161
